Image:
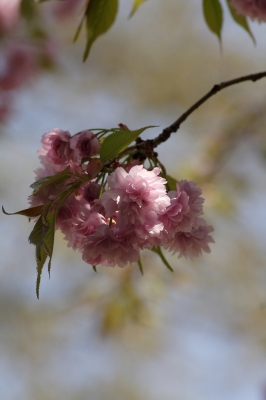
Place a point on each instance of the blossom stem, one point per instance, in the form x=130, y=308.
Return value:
x=158, y=251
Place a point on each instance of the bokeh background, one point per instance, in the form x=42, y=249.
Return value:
x=200, y=332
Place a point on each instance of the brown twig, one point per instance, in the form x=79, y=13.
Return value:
x=166, y=133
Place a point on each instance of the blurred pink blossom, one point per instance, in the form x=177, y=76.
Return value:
x=9, y=14
x=66, y=8
x=20, y=67
x=255, y=9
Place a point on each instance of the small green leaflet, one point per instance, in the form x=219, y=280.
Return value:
x=136, y=5
x=118, y=141
x=213, y=15
x=240, y=20
x=100, y=16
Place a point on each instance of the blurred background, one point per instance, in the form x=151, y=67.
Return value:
x=194, y=334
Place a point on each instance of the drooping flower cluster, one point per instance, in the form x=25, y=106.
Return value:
x=109, y=220
x=255, y=9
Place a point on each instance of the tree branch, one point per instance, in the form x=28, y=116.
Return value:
x=166, y=133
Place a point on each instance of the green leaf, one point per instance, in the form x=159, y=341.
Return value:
x=28, y=212
x=171, y=182
x=118, y=141
x=42, y=237
x=136, y=5
x=240, y=20
x=213, y=15
x=100, y=16
x=27, y=9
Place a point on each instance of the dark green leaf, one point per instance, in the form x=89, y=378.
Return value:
x=28, y=212
x=171, y=182
x=27, y=9
x=100, y=16
x=136, y=5
x=118, y=141
x=240, y=20
x=213, y=15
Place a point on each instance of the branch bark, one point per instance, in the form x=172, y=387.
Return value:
x=166, y=133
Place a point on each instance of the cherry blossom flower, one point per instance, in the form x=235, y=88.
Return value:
x=84, y=145
x=56, y=152
x=110, y=246
x=191, y=244
x=135, y=193
x=186, y=205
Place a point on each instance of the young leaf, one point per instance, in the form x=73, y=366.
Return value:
x=118, y=141
x=213, y=15
x=240, y=20
x=100, y=16
x=53, y=180
x=28, y=212
x=136, y=5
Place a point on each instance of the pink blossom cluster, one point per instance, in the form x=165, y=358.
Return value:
x=255, y=9
x=132, y=211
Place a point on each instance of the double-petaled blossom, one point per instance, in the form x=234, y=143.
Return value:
x=110, y=246
x=191, y=244
x=185, y=206
x=55, y=154
x=84, y=145
x=135, y=193
x=60, y=150
x=255, y=9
